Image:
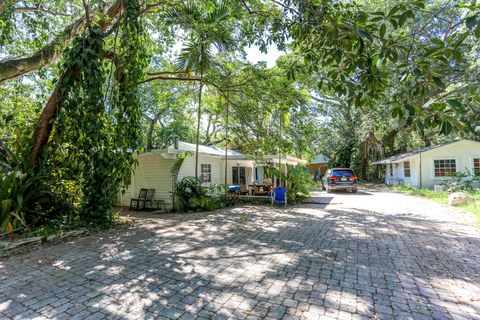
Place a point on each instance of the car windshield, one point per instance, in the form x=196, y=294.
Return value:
x=342, y=173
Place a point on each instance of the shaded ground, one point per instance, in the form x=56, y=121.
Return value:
x=372, y=255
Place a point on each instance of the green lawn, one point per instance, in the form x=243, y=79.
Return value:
x=442, y=197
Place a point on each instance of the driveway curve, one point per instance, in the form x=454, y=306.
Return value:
x=371, y=255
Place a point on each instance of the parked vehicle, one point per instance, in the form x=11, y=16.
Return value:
x=340, y=179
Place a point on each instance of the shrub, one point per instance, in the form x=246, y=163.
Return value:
x=25, y=201
x=31, y=200
x=299, y=181
x=189, y=194
x=462, y=181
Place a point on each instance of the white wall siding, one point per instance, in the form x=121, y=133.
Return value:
x=188, y=168
x=218, y=168
x=414, y=172
x=153, y=171
x=463, y=152
x=248, y=164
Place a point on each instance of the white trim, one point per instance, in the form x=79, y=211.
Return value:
x=472, y=163
x=443, y=178
x=409, y=169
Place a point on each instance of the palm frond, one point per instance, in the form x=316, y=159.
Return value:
x=195, y=56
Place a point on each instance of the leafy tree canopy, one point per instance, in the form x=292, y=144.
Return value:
x=85, y=83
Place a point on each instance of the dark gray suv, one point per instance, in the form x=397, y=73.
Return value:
x=340, y=179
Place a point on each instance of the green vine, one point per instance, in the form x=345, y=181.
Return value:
x=6, y=23
x=102, y=134
x=129, y=72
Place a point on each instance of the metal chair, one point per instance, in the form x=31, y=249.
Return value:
x=136, y=201
x=145, y=197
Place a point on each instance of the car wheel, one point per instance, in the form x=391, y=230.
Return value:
x=329, y=190
x=354, y=190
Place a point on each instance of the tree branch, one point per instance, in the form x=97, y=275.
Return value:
x=284, y=6
x=166, y=73
x=170, y=78
x=87, y=12
x=38, y=9
x=16, y=67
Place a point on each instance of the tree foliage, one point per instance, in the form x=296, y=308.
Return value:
x=86, y=84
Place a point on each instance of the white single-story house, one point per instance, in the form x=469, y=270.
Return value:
x=155, y=169
x=432, y=165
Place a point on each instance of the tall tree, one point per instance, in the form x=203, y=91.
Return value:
x=207, y=27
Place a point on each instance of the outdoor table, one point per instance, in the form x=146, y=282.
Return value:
x=260, y=188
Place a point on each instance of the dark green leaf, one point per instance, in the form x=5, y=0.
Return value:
x=383, y=29
x=438, y=42
x=438, y=82
x=455, y=103
x=471, y=22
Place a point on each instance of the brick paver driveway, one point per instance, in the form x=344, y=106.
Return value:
x=367, y=256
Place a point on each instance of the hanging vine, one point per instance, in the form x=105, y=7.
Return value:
x=103, y=133
x=129, y=72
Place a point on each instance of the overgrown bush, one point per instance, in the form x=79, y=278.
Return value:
x=462, y=181
x=299, y=181
x=29, y=200
x=190, y=195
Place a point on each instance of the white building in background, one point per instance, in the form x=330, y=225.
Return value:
x=154, y=169
x=432, y=165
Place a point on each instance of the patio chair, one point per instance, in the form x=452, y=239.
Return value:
x=279, y=196
x=243, y=189
x=145, y=197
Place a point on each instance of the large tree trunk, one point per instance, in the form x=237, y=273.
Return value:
x=150, y=130
x=45, y=126
x=16, y=67
x=49, y=114
x=45, y=122
x=207, y=132
x=2, y=5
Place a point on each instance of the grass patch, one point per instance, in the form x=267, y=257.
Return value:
x=474, y=206
x=442, y=197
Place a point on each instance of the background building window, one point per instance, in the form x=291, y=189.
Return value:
x=406, y=168
x=476, y=166
x=444, y=168
x=238, y=175
x=391, y=170
x=206, y=173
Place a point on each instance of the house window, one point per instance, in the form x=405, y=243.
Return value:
x=406, y=168
x=238, y=175
x=444, y=168
x=476, y=166
x=391, y=170
x=206, y=173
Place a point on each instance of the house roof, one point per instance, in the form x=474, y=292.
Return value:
x=319, y=158
x=274, y=158
x=220, y=152
x=202, y=149
x=403, y=156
